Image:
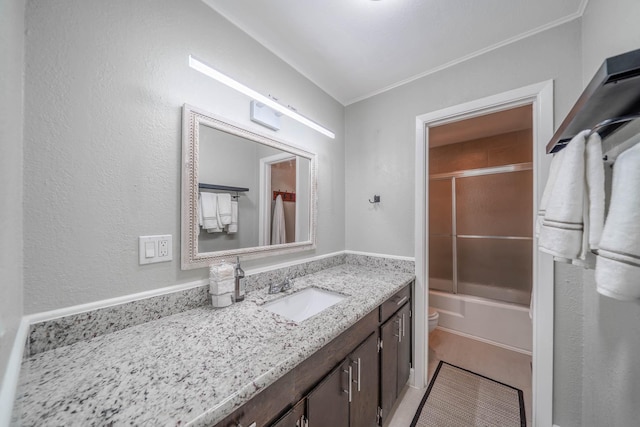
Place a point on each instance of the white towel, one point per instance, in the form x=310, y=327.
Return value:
x=233, y=226
x=221, y=279
x=222, y=287
x=278, y=232
x=618, y=263
x=220, y=272
x=551, y=182
x=572, y=207
x=224, y=209
x=209, y=205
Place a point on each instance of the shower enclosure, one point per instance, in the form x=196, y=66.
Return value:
x=481, y=216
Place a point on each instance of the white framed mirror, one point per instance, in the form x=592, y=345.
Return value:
x=243, y=193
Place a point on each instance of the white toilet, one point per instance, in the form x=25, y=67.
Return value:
x=433, y=318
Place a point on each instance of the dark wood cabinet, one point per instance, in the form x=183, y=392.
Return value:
x=328, y=403
x=295, y=417
x=348, y=397
x=365, y=385
x=404, y=347
x=389, y=364
x=395, y=358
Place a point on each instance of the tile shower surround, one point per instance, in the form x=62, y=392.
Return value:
x=52, y=334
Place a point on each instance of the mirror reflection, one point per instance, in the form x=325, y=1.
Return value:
x=272, y=209
x=244, y=194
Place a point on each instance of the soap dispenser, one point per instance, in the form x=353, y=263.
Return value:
x=240, y=282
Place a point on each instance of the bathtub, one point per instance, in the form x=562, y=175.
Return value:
x=499, y=323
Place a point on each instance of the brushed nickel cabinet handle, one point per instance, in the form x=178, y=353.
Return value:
x=350, y=372
x=358, y=374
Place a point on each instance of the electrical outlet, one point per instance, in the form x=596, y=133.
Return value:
x=163, y=248
x=152, y=249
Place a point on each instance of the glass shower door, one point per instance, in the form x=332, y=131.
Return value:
x=494, y=217
x=441, y=236
x=481, y=233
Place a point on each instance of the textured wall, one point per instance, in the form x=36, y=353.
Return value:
x=380, y=159
x=569, y=346
x=105, y=84
x=611, y=377
x=380, y=154
x=609, y=28
x=11, y=144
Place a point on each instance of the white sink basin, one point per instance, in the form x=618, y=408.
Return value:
x=304, y=304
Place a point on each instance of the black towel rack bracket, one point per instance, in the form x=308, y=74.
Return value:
x=236, y=190
x=610, y=101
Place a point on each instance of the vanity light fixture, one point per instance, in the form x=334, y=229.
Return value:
x=224, y=79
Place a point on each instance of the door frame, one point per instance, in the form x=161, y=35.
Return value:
x=264, y=199
x=540, y=96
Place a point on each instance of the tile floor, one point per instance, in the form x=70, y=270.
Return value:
x=502, y=365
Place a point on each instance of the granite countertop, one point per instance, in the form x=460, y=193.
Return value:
x=195, y=367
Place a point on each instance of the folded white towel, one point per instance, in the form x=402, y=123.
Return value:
x=551, y=182
x=224, y=209
x=223, y=271
x=233, y=226
x=618, y=263
x=561, y=231
x=209, y=205
x=278, y=230
x=595, y=190
x=222, y=287
x=571, y=214
x=220, y=301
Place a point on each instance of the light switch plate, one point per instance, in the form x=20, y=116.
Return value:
x=162, y=249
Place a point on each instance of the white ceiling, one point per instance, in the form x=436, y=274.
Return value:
x=353, y=49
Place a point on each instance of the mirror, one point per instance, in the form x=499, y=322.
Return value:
x=243, y=193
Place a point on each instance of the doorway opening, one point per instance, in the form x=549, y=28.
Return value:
x=538, y=101
x=280, y=179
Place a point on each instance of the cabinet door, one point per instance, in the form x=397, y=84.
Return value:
x=328, y=403
x=365, y=385
x=404, y=347
x=293, y=418
x=389, y=364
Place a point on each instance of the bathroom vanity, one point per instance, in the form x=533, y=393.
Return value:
x=238, y=365
x=352, y=381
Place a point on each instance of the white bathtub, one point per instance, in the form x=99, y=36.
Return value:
x=499, y=323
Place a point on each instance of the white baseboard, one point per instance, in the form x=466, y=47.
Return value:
x=484, y=340
x=12, y=375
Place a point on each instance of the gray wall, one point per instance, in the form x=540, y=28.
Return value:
x=611, y=329
x=226, y=159
x=380, y=159
x=380, y=154
x=11, y=143
x=105, y=84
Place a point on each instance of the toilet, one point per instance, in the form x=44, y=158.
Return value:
x=433, y=319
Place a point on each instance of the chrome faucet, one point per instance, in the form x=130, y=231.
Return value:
x=285, y=285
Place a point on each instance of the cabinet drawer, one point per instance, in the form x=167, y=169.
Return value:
x=394, y=303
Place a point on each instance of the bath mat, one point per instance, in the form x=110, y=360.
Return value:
x=457, y=397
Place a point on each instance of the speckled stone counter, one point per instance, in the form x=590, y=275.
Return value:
x=194, y=367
